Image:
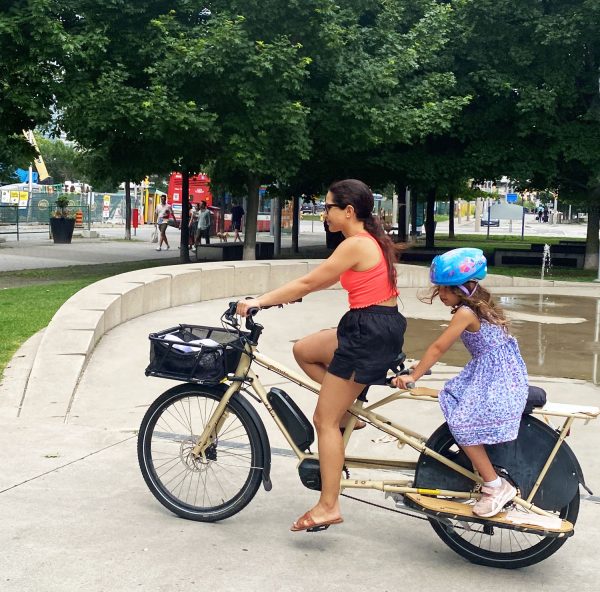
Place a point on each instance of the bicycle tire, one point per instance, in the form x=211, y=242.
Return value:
x=165, y=456
x=474, y=549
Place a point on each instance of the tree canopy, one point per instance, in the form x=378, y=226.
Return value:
x=297, y=93
x=31, y=50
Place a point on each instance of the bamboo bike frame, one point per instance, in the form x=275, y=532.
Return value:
x=366, y=412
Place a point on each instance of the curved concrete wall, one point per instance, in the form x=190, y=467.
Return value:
x=81, y=322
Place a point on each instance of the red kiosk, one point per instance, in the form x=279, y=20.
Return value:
x=199, y=191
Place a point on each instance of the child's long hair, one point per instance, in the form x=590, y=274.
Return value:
x=480, y=302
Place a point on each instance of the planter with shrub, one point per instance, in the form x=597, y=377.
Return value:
x=62, y=222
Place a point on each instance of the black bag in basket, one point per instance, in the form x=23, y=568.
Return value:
x=176, y=353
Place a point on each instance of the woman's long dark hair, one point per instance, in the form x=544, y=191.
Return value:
x=352, y=192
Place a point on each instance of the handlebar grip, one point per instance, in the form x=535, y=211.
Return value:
x=252, y=312
x=410, y=385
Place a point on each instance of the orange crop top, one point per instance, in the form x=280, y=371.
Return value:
x=368, y=287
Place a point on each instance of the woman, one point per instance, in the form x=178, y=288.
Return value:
x=368, y=338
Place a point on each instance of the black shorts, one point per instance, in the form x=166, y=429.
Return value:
x=236, y=225
x=369, y=341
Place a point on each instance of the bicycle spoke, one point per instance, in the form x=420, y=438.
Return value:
x=219, y=473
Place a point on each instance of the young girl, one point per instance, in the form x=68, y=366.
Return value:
x=367, y=340
x=484, y=403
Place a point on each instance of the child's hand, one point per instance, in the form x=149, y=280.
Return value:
x=402, y=381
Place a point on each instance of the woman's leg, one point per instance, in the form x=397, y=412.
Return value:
x=315, y=352
x=335, y=397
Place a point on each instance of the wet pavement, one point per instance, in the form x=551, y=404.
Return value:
x=559, y=336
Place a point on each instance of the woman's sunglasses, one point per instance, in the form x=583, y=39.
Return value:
x=329, y=206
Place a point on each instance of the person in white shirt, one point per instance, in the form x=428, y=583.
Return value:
x=163, y=213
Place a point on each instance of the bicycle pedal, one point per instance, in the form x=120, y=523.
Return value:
x=318, y=528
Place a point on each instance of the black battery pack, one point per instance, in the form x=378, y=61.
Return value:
x=295, y=422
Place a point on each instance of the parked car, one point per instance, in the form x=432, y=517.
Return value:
x=492, y=222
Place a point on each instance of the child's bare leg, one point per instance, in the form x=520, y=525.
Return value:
x=481, y=461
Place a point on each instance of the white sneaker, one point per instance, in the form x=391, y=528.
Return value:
x=493, y=499
x=158, y=249
x=167, y=248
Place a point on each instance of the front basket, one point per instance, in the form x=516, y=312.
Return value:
x=175, y=353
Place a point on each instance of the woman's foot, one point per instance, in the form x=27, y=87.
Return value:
x=313, y=521
x=158, y=248
x=359, y=425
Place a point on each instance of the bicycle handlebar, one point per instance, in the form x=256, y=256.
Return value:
x=231, y=316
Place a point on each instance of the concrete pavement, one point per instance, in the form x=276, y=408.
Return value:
x=76, y=513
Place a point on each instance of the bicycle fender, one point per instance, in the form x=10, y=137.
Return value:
x=525, y=457
x=262, y=432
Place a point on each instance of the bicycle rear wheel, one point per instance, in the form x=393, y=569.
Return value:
x=205, y=489
x=485, y=544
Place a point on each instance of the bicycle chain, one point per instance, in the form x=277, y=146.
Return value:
x=415, y=516
x=357, y=499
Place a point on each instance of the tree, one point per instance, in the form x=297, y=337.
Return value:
x=384, y=86
x=535, y=113
x=63, y=160
x=114, y=102
x=253, y=87
x=31, y=46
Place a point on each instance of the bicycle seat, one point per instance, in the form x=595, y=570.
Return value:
x=536, y=397
x=396, y=366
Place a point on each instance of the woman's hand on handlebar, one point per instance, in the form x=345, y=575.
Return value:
x=243, y=306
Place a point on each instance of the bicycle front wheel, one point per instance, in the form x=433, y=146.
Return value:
x=211, y=487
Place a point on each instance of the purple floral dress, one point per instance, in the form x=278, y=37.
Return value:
x=484, y=403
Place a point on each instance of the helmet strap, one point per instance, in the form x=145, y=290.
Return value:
x=469, y=294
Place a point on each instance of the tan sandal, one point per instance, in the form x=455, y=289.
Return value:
x=306, y=522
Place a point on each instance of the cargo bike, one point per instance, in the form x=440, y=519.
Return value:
x=204, y=451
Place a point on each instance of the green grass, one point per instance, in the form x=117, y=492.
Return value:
x=501, y=241
x=89, y=273
x=26, y=310
x=29, y=298
x=563, y=274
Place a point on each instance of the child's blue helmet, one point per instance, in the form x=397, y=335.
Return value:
x=457, y=267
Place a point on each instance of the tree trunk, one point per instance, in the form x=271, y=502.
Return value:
x=253, y=185
x=451, y=218
x=276, y=205
x=184, y=251
x=295, y=223
x=127, y=210
x=414, y=205
x=429, y=219
x=591, y=241
x=401, y=192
